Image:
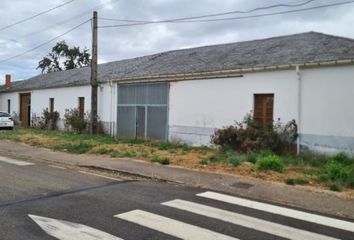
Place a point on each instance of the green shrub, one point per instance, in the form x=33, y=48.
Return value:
x=252, y=157
x=161, y=160
x=339, y=170
x=114, y=154
x=104, y=151
x=270, y=162
x=335, y=187
x=130, y=154
x=78, y=148
x=204, y=162
x=74, y=121
x=215, y=158
x=249, y=136
x=233, y=159
x=342, y=158
x=296, y=181
x=47, y=121
x=144, y=154
x=172, y=145
x=224, y=156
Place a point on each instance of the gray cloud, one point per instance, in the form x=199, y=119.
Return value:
x=128, y=42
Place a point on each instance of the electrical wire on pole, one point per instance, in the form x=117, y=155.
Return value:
x=44, y=43
x=216, y=14
x=36, y=15
x=191, y=19
x=52, y=26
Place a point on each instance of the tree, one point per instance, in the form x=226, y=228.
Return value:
x=63, y=57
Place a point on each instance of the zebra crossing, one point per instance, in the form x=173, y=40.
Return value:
x=176, y=228
x=186, y=231
x=287, y=212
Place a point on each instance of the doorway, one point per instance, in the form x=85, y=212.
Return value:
x=25, y=109
x=140, y=122
x=143, y=111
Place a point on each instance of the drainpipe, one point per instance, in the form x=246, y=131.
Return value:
x=111, y=110
x=299, y=78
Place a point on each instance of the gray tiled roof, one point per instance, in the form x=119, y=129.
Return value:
x=310, y=47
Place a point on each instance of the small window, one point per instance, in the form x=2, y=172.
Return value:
x=51, y=105
x=8, y=105
x=81, y=106
x=263, y=109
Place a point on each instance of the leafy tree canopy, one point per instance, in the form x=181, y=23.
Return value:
x=63, y=57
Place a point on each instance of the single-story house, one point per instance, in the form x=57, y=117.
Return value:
x=184, y=95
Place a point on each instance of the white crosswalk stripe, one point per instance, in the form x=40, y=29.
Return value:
x=171, y=227
x=291, y=213
x=14, y=161
x=246, y=221
x=187, y=231
x=64, y=230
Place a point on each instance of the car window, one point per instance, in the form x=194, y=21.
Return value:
x=2, y=114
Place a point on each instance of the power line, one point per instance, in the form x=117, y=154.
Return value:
x=36, y=15
x=230, y=18
x=89, y=11
x=44, y=43
x=82, y=14
x=216, y=14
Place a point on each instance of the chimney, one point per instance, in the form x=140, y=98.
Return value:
x=8, y=80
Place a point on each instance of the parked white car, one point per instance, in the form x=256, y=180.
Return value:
x=6, y=121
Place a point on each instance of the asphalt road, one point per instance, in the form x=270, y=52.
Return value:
x=41, y=201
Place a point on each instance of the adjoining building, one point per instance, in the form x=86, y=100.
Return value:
x=184, y=95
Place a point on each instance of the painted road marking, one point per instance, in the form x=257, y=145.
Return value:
x=291, y=213
x=58, y=167
x=64, y=230
x=246, y=221
x=171, y=227
x=101, y=176
x=15, y=162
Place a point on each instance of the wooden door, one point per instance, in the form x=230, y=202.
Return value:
x=25, y=109
x=263, y=109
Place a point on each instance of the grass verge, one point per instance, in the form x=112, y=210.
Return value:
x=334, y=173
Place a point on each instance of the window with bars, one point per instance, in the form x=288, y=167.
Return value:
x=51, y=105
x=81, y=106
x=263, y=109
x=8, y=105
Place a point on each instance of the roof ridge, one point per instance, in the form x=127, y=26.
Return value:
x=225, y=44
x=333, y=36
x=158, y=54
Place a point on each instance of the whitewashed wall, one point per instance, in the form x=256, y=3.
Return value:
x=328, y=109
x=15, y=103
x=107, y=107
x=64, y=98
x=198, y=107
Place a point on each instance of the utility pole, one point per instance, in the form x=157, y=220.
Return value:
x=94, y=83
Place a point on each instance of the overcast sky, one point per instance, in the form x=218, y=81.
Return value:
x=128, y=42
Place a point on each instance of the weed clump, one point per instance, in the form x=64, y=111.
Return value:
x=340, y=169
x=270, y=162
x=296, y=181
x=161, y=160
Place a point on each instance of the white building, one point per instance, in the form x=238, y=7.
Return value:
x=186, y=94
